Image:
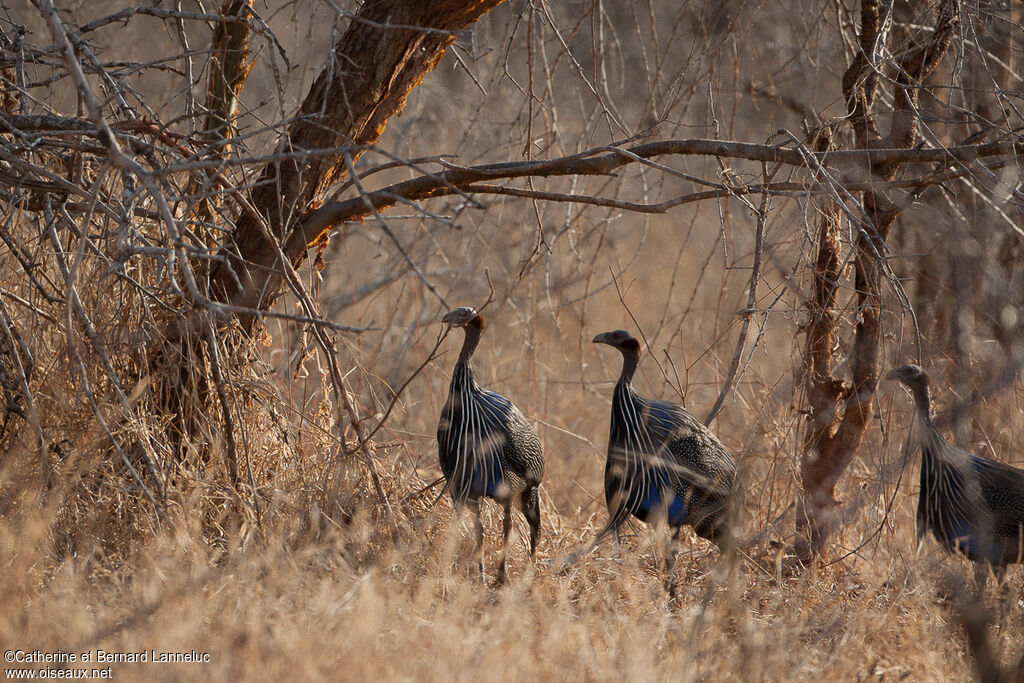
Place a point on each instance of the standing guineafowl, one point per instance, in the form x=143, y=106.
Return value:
x=663, y=464
x=969, y=503
x=486, y=446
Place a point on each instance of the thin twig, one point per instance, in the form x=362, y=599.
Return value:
x=749, y=310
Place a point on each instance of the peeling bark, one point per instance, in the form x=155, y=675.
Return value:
x=833, y=435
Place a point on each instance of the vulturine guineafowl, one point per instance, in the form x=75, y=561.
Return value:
x=969, y=503
x=663, y=465
x=486, y=446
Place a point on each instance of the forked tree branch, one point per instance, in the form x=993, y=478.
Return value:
x=833, y=435
x=387, y=49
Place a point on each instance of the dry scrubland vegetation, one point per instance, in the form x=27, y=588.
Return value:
x=126, y=405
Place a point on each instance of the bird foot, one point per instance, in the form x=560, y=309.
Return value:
x=567, y=563
x=671, y=584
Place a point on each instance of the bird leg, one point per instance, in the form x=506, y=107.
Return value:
x=984, y=573
x=531, y=510
x=673, y=552
x=618, y=542
x=671, y=580
x=478, y=525
x=1007, y=595
x=506, y=530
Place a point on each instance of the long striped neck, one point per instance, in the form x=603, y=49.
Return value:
x=473, y=329
x=922, y=402
x=630, y=359
x=932, y=444
x=462, y=376
x=624, y=396
x=927, y=435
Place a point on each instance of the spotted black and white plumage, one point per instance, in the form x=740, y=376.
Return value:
x=971, y=504
x=487, y=448
x=663, y=464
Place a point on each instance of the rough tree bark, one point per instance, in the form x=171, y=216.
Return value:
x=833, y=436
x=389, y=46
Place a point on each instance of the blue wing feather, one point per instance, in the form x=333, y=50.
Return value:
x=663, y=419
x=953, y=526
x=654, y=500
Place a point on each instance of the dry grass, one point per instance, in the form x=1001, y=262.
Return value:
x=367, y=594
x=306, y=575
x=398, y=599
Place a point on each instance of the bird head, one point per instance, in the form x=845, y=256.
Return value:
x=620, y=339
x=460, y=317
x=911, y=375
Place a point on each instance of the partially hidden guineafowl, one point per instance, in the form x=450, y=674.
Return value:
x=663, y=465
x=970, y=504
x=486, y=446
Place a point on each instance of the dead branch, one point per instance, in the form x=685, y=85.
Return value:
x=748, y=312
x=228, y=71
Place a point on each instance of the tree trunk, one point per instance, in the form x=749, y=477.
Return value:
x=389, y=46
x=375, y=65
x=832, y=437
